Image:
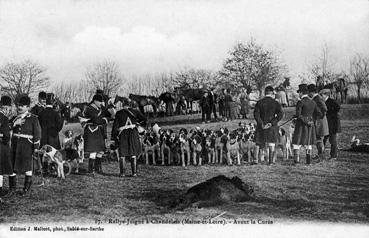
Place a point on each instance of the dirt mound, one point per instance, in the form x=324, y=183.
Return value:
x=215, y=191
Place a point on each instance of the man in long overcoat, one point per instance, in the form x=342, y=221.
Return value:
x=305, y=134
x=126, y=137
x=267, y=113
x=6, y=167
x=205, y=108
x=25, y=140
x=212, y=101
x=321, y=124
x=334, y=122
x=94, y=133
x=40, y=105
x=51, y=124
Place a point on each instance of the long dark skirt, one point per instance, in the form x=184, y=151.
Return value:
x=129, y=143
x=304, y=134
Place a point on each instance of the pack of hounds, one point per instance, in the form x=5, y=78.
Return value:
x=198, y=146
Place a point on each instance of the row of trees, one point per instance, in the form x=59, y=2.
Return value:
x=247, y=65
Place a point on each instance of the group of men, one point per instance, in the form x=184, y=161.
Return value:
x=23, y=134
x=316, y=121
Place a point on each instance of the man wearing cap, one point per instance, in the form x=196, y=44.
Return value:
x=321, y=124
x=304, y=134
x=94, y=133
x=126, y=137
x=334, y=122
x=6, y=167
x=25, y=140
x=267, y=113
x=51, y=124
x=40, y=105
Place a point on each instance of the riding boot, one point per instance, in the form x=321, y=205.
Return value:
x=27, y=184
x=134, y=166
x=121, y=168
x=308, y=157
x=98, y=166
x=271, y=156
x=12, y=186
x=45, y=168
x=91, y=167
x=296, y=156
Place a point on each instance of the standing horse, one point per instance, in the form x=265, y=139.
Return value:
x=339, y=89
x=190, y=95
x=169, y=99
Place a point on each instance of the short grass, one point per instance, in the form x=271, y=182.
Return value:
x=334, y=191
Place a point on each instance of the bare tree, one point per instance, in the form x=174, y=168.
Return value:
x=105, y=76
x=323, y=66
x=73, y=92
x=25, y=77
x=194, y=78
x=251, y=65
x=359, y=70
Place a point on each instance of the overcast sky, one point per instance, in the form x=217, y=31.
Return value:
x=168, y=35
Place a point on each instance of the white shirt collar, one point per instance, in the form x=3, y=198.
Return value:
x=304, y=96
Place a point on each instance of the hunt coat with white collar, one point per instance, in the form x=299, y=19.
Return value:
x=25, y=139
x=267, y=110
x=6, y=166
x=51, y=124
x=94, y=132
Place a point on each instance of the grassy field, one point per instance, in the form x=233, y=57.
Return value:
x=334, y=191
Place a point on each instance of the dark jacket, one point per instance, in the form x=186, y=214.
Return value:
x=267, y=110
x=36, y=109
x=6, y=166
x=212, y=98
x=205, y=103
x=306, y=113
x=333, y=117
x=23, y=148
x=125, y=132
x=94, y=131
x=51, y=124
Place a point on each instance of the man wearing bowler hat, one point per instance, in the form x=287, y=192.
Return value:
x=321, y=123
x=40, y=105
x=334, y=122
x=305, y=134
x=94, y=133
x=25, y=140
x=6, y=166
x=267, y=113
x=51, y=124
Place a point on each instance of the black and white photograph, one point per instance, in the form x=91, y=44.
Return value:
x=184, y=118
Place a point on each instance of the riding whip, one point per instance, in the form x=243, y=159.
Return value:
x=287, y=121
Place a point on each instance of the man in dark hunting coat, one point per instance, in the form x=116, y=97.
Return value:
x=94, y=133
x=26, y=138
x=334, y=122
x=40, y=105
x=212, y=101
x=205, y=108
x=51, y=124
x=126, y=137
x=267, y=113
x=6, y=167
x=321, y=123
x=305, y=134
